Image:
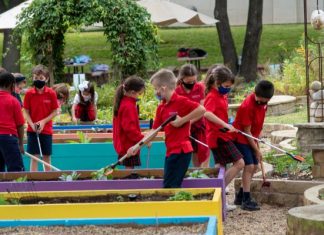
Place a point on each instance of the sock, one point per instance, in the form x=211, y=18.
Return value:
x=246, y=196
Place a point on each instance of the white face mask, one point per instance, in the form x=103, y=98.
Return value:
x=86, y=98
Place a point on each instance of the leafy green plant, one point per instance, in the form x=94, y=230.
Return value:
x=83, y=138
x=181, y=196
x=100, y=175
x=3, y=201
x=71, y=177
x=21, y=179
x=120, y=198
x=197, y=174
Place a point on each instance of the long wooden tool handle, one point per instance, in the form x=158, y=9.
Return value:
x=41, y=161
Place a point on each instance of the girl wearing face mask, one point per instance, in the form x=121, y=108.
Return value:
x=40, y=106
x=189, y=87
x=19, y=86
x=126, y=127
x=218, y=83
x=84, y=106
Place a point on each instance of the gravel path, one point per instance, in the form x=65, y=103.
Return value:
x=268, y=220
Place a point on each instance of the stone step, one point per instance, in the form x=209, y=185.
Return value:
x=286, y=144
x=278, y=136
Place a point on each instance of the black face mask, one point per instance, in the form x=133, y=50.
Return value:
x=189, y=86
x=39, y=84
x=258, y=102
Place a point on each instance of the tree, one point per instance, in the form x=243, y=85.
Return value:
x=225, y=36
x=11, y=49
x=248, y=68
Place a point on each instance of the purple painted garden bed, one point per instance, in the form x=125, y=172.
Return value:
x=34, y=184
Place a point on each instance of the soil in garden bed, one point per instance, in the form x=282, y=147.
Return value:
x=183, y=229
x=34, y=199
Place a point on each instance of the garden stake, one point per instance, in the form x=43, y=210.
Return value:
x=41, y=161
x=295, y=157
x=109, y=169
x=39, y=146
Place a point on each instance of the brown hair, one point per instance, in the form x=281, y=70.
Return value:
x=186, y=70
x=132, y=83
x=91, y=90
x=2, y=70
x=62, y=91
x=164, y=77
x=41, y=70
x=218, y=74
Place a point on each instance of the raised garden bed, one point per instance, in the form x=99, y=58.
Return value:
x=115, y=209
x=154, y=225
x=48, y=181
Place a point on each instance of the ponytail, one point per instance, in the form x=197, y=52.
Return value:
x=118, y=97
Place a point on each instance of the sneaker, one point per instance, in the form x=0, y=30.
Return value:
x=250, y=205
x=230, y=207
x=227, y=191
x=238, y=199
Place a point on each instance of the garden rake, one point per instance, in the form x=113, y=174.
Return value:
x=41, y=161
x=109, y=169
x=295, y=157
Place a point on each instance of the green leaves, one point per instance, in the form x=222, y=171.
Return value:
x=128, y=28
x=181, y=196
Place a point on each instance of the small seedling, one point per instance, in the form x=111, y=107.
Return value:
x=3, y=201
x=67, y=177
x=197, y=174
x=120, y=198
x=83, y=138
x=181, y=196
x=100, y=175
x=21, y=179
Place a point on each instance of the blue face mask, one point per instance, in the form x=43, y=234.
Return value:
x=224, y=90
x=158, y=97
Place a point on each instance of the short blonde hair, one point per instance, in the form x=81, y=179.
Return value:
x=164, y=77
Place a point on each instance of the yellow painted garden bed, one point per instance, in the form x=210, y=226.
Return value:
x=113, y=209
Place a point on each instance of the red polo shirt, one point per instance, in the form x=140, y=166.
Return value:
x=126, y=126
x=40, y=106
x=249, y=114
x=217, y=104
x=10, y=114
x=197, y=94
x=176, y=138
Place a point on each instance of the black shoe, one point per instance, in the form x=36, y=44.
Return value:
x=250, y=205
x=238, y=198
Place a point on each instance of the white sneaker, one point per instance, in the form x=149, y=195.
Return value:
x=230, y=207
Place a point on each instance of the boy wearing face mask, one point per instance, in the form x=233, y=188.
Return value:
x=249, y=119
x=178, y=145
x=84, y=106
x=40, y=106
x=11, y=126
x=188, y=86
x=19, y=87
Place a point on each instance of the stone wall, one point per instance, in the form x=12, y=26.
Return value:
x=308, y=135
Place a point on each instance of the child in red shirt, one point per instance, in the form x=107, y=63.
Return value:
x=218, y=83
x=40, y=105
x=11, y=126
x=84, y=106
x=62, y=94
x=188, y=86
x=249, y=119
x=178, y=145
x=126, y=127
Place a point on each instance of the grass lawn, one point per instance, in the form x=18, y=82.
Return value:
x=95, y=45
x=292, y=118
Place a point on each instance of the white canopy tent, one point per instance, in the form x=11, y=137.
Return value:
x=165, y=13
x=8, y=19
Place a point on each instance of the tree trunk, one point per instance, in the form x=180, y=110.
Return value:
x=225, y=36
x=252, y=41
x=11, y=52
x=11, y=49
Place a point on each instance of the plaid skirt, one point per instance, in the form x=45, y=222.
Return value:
x=131, y=161
x=226, y=152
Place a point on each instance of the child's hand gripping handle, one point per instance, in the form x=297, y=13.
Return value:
x=224, y=129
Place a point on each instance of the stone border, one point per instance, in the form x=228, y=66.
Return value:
x=311, y=195
x=281, y=192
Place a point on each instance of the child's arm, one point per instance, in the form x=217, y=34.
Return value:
x=20, y=130
x=195, y=114
x=29, y=120
x=213, y=118
x=42, y=122
x=74, y=119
